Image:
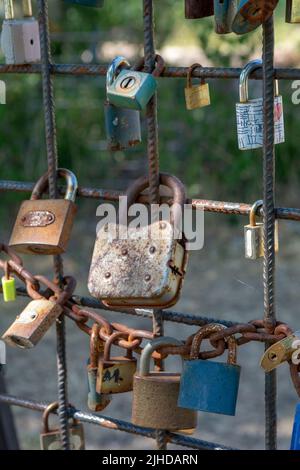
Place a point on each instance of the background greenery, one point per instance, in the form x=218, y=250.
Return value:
x=198, y=146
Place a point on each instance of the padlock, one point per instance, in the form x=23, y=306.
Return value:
x=195, y=9
x=292, y=13
x=87, y=3
x=155, y=394
x=207, y=385
x=284, y=350
x=295, y=442
x=8, y=285
x=96, y=401
x=20, y=39
x=123, y=125
x=147, y=268
x=254, y=235
x=44, y=226
x=251, y=14
x=134, y=89
x=39, y=315
x=51, y=439
x=196, y=96
x=249, y=113
x=115, y=374
x=225, y=11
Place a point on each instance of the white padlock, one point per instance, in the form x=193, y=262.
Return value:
x=249, y=113
x=20, y=39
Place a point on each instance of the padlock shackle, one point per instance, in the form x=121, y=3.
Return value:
x=9, y=13
x=205, y=332
x=11, y=254
x=50, y=409
x=113, y=70
x=43, y=183
x=189, y=75
x=95, y=346
x=27, y=8
x=109, y=343
x=253, y=212
x=152, y=346
x=244, y=79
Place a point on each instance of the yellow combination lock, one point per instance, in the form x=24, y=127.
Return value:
x=8, y=285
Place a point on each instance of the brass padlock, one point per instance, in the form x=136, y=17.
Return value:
x=96, y=401
x=292, y=14
x=195, y=9
x=51, y=439
x=254, y=235
x=196, y=96
x=115, y=374
x=155, y=395
x=44, y=226
x=39, y=315
x=147, y=267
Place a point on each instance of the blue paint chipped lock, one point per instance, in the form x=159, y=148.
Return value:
x=251, y=14
x=210, y=386
x=225, y=11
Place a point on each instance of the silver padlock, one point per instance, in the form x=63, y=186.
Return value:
x=249, y=113
x=254, y=235
x=20, y=40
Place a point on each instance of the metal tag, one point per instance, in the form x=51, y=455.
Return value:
x=38, y=219
x=280, y=352
x=117, y=378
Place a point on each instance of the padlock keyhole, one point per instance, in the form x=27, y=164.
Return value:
x=127, y=83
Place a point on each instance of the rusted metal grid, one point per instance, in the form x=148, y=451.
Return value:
x=269, y=212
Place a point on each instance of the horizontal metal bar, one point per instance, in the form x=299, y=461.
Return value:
x=116, y=424
x=169, y=72
x=221, y=207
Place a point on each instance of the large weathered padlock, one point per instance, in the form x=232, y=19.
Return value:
x=155, y=394
x=195, y=9
x=123, y=125
x=134, y=89
x=44, y=226
x=39, y=315
x=145, y=268
x=51, y=439
x=249, y=113
x=196, y=96
x=115, y=374
x=206, y=385
x=87, y=3
x=254, y=235
x=20, y=40
x=225, y=11
x=96, y=401
x=292, y=13
x=251, y=14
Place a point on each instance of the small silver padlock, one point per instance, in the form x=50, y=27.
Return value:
x=20, y=39
x=254, y=234
x=249, y=113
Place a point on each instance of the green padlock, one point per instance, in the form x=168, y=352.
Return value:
x=87, y=3
x=8, y=285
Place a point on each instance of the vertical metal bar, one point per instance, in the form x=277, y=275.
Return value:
x=269, y=223
x=51, y=146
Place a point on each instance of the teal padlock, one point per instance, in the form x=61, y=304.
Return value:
x=87, y=3
x=225, y=11
x=251, y=14
x=133, y=89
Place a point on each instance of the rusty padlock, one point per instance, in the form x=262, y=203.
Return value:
x=155, y=394
x=39, y=315
x=44, y=226
x=153, y=258
x=115, y=374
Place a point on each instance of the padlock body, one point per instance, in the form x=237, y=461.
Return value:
x=35, y=320
x=254, y=240
x=225, y=11
x=155, y=406
x=96, y=401
x=52, y=439
x=209, y=386
x=250, y=123
x=295, y=442
x=140, y=271
x=195, y=9
x=20, y=41
x=87, y=3
x=292, y=11
x=251, y=14
x=9, y=289
x=197, y=96
x=43, y=226
x=116, y=375
x=123, y=127
x=131, y=90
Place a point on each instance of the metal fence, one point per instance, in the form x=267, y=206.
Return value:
x=47, y=70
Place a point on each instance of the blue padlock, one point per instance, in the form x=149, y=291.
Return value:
x=87, y=3
x=134, y=89
x=206, y=385
x=225, y=11
x=295, y=442
x=251, y=14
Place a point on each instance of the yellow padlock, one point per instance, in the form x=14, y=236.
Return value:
x=8, y=285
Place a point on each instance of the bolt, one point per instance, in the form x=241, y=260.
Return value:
x=107, y=275
x=152, y=249
x=124, y=252
x=147, y=277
